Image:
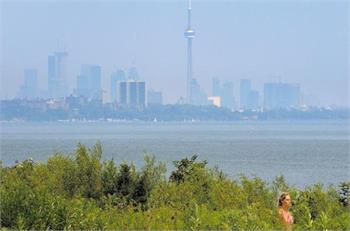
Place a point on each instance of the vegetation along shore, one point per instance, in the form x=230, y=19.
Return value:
x=81, y=191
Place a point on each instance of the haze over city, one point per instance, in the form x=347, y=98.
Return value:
x=293, y=41
x=174, y=115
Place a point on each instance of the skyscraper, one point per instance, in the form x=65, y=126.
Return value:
x=123, y=95
x=245, y=88
x=57, y=74
x=141, y=94
x=227, y=98
x=116, y=77
x=89, y=82
x=195, y=92
x=132, y=94
x=198, y=96
x=224, y=92
x=216, y=87
x=281, y=95
x=29, y=89
x=189, y=35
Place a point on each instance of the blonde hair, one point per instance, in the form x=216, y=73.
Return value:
x=282, y=197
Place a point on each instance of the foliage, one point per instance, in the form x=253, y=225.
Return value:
x=82, y=192
x=187, y=170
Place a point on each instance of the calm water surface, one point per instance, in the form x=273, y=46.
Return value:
x=304, y=152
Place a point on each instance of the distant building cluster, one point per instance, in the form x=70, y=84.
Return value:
x=126, y=89
x=276, y=95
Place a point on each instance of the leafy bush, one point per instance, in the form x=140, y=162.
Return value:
x=81, y=192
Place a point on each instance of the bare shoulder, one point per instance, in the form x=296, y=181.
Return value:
x=280, y=211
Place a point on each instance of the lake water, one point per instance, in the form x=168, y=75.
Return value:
x=304, y=152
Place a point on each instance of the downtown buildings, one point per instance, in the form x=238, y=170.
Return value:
x=281, y=95
x=127, y=90
x=276, y=95
x=249, y=98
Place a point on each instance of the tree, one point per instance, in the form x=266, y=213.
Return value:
x=124, y=183
x=186, y=169
x=89, y=170
x=142, y=190
x=109, y=178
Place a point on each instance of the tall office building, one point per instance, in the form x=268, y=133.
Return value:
x=29, y=89
x=227, y=97
x=154, y=98
x=89, y=82
x=216, y=87
x=281, y=95
x=57, y=74
x=123, y=96
x=245, y=88
x=132, y=94
x=195, y=92
x=189, y=35
x=224, y=92
x=249, y=98
x=198, y=96
x=116, y=77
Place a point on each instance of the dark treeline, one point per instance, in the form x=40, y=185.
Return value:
x=40, y=111
x=81, y=192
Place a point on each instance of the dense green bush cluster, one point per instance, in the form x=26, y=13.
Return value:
x=82, y=192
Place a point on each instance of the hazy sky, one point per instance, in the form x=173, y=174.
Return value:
x=299, y=41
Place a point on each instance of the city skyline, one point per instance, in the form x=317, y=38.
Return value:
x=328, y=82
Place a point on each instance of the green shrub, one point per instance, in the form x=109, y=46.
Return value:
x=80, y=192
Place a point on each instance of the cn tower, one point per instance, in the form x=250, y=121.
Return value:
x=189, y=35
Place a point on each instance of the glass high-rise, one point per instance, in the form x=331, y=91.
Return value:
x=132, y=94
x=57, y=74
x=116, y=77
x=245, y=88
x=216, y=87
x=29, y=89
x=89, y=82
x=281, y=95
x=227, y=97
